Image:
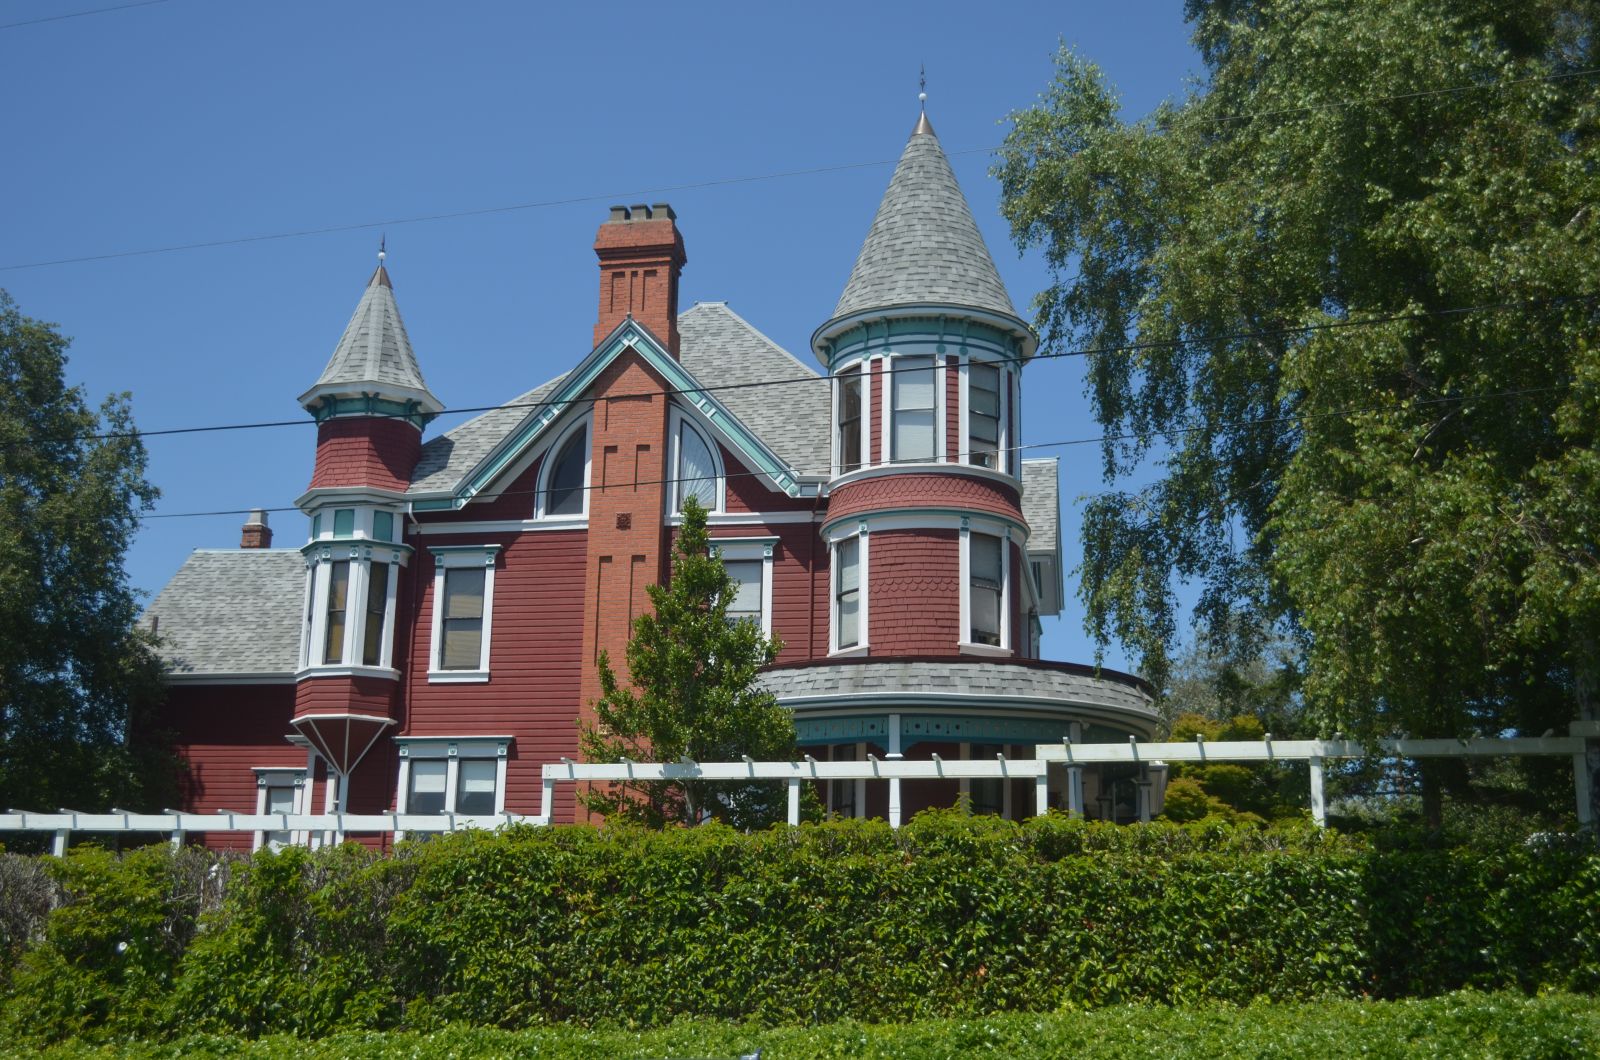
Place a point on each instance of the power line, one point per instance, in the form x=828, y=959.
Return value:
x=1092, y=351
x=451, y=215
x=80, y=14
x=1264, y=421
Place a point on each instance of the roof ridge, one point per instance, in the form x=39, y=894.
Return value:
x=757, y=332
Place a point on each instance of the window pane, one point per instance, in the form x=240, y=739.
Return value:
x=849, y=621
x=475, y=785
x=697, y=474
x=463, y=592
x=377, y=605
x=280, y=799
x=985, y=616
x=427, y=787
x=913, y=435
x=383, y=526
x=338, y=591
x=913, y=382
x=985, y=559
x=463, y=644
x=747, y=578
x=983, y=389
x=566, y=477
x=849, y=564
x=850, y=422
x=344, y=522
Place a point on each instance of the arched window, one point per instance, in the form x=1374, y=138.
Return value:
x=562, y=491
x=697, y=474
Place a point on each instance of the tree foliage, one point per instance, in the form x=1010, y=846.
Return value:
x=693, y=694
x=1344, y=294
x=78, y=681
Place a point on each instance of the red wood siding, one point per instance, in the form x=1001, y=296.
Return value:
x=513, y=499
x=747, y=493
x=924, y=490
x=339, y=695
x=955, y=445
x=366, y=451
x=224, y=733
x=799, y=586
x=535, y=659
x=913, y=601
x=878, y=419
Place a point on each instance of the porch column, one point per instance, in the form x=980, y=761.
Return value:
x=894, y=782
x=1319, y=806
x=1075, y=790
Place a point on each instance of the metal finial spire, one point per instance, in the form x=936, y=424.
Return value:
x=922, y=86
x=383, y=241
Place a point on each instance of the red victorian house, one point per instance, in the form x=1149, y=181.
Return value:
x=433, y=644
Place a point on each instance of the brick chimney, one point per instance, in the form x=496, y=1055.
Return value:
x=641, y=255
x=256, y=534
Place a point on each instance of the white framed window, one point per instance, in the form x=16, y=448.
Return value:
x=279, y=790
x=453, y=774
x=986, y=589
x=563, y=487
x=748, y=561
x=913, y=410
x=696, y=466
x=988, y=397
x=350, y=606
x=852, y=447
x=847, y=630
x=463, y=610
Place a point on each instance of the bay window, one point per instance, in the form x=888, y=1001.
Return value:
x=848, y=441
x=333, y=621
x=848, y=612
x=983, y=415
x=352, y=565
x=986, y=587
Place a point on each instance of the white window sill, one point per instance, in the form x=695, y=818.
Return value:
x=846, y=653
x=386, y=672
x=457, y=677
x=968, y=648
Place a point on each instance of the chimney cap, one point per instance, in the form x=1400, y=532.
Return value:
x=639, y=211
x=664, y=210
x=619, y=213
x=258, y=517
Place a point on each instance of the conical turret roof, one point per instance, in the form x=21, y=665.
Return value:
x=923, y=247
x=374, y=354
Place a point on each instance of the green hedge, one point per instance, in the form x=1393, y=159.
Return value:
x=949, y=917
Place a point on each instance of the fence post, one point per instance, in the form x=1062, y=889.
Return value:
x=1319, y=805
x=58, y=846
x=1041, y=790
x=794, y=802
x=1075, y=790
x=1581, y=782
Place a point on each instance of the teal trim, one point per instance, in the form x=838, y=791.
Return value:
x=316, y=526
x=944, y=728
x=344, y=522
x=372, y=405
x=934, y=331
x=954, y=513
x=754, y=453
x=383, y=526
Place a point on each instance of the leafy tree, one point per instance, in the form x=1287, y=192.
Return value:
x=78, y=680
x=693, y=694
x=1345, y=294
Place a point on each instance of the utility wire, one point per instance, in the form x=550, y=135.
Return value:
x=1264, y=421
x=80, y=14
x=1089, y=351
x=395, y=222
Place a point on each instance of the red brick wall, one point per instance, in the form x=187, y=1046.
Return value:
x=366, y=451
x=913, y=490
x=639, y=266
x=913, y=601
x=535, y=659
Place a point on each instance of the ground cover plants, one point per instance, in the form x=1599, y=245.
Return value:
x=951, y=917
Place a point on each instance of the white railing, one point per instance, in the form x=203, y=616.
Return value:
x=1065, y=760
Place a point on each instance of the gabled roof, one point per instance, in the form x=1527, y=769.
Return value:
x=232, y=612
x=1041, y=502
x=781, y=431
x=923, y=246
x=721, y=347
x=374, y=354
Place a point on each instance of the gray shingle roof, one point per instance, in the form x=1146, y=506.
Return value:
x=1000, y=683
x=1041, y=502
x=232, y=611
x=447, y=459
x=721, y=347
x=374, y=354
x=923, y=245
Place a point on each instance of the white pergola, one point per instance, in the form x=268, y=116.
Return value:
x=1066, y=760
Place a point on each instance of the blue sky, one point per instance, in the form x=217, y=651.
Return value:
x=186, y=121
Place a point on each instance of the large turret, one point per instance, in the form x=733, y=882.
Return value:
x=924, y=515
